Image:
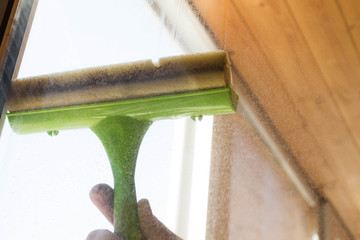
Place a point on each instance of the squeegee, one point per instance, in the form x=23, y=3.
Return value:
x=119, y=103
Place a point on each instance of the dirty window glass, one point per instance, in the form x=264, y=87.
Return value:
x=45, y=180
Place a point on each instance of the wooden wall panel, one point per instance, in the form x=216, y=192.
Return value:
x=334, y=51
x=258, y=74
x=283, y=45
x=275, y=60
x=350, y=10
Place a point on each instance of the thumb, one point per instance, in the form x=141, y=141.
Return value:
x=150, y=226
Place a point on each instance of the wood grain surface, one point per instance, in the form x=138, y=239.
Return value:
x=300, y=59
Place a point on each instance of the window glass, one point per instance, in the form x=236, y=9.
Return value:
x=45, y=180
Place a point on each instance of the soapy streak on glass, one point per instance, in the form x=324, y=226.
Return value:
x=45, y=180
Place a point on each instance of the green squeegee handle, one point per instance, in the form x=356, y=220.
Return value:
x=121, y=126
x=121, y=137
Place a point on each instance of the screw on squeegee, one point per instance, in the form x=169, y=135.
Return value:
x=53, y=133
x=197, y=117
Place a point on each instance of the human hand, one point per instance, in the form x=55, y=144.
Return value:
x=102, y=195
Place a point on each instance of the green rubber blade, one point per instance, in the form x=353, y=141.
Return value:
x=208, y=102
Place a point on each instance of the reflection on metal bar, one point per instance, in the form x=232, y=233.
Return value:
x=186, y=178
x=183, y=24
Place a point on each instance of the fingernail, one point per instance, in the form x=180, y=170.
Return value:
x=144, y=207
x=100, y=188
x=102, y=234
